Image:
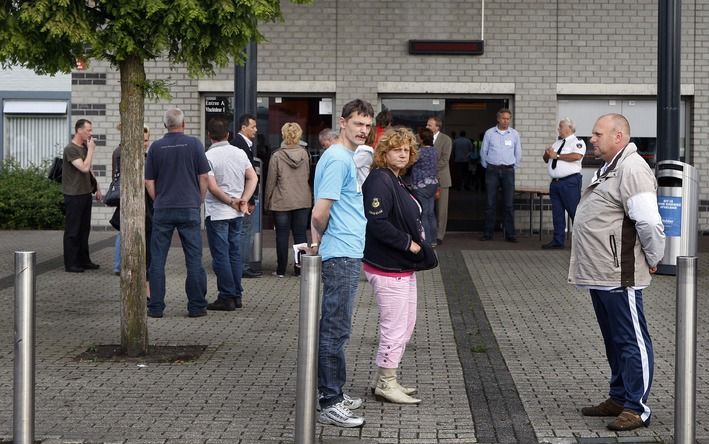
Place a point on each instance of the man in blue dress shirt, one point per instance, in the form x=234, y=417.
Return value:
x=500, y=154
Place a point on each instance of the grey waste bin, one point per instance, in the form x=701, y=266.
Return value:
x=678, y=202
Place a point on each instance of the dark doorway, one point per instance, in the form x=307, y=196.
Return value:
x=466, y=207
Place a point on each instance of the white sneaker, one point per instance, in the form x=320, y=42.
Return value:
x=351, y=403
x=347, y=401
x=340, y=416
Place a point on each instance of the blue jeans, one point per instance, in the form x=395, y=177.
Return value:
x=427, y=198
x=187, y=223
x=565, y=195
x=287, y=221
x=500, y=177
x=340, y=277
x=224, y=237
x=117, y=254
x=246, y=240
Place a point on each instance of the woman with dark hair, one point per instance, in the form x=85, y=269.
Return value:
x=423, y=182
x=392, y=248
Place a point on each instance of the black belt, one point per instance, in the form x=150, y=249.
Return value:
x=500, y=167
x=565, y=177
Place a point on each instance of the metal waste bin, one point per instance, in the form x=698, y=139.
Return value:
x=678, y=202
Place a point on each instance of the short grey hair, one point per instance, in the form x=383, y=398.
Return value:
x=326, y=134
x=174, y=118
x=568, y=122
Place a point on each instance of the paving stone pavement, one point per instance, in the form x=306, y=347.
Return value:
x=548, y=335
x=242, y=390
x=543, y=346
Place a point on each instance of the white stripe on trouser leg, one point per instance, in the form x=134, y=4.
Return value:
x=643, y=351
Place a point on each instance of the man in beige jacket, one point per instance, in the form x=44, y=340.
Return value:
x=618, y=241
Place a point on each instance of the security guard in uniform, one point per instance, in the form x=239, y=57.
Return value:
x=563, y=160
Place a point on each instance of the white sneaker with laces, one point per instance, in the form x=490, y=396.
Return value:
x=340, y=416
x=348, y=401
x=351, y=403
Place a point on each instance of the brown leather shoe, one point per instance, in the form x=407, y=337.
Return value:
x=609, y=407
x=627, y=420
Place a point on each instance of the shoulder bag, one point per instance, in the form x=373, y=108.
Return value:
x=55, y=171
x=113, y=194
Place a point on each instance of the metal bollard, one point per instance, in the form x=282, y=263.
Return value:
x=686, y=349
x=23, y=400
x=307, y=379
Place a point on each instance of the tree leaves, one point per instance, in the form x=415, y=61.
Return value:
x=49, y=35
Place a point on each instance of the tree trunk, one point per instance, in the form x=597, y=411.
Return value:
x=134, y=328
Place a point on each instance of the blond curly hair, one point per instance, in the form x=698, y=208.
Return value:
x=291, y=133
x=395, y=138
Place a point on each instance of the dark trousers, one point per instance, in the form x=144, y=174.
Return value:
x=77, y=226
x=295, y=221
x=500, y=177
x=629, y=350
x=461, y=175
x=565, y=195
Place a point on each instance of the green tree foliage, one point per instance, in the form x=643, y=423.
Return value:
x=50, y=36
x=28, y=200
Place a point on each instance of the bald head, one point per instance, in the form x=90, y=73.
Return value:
x=621, y=124
x=610, y=134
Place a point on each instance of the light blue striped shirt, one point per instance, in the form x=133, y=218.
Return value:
x=501, y=147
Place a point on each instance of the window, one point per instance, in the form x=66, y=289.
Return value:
x=34, y=131
x=641, y=114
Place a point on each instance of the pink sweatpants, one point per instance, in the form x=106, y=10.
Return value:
x=396, y=297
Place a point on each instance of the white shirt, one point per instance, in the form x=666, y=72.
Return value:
x=249, y=142
x=572, y=145
x=228, y=166
x=363, y=157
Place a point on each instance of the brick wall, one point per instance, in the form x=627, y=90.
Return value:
x=531, y=47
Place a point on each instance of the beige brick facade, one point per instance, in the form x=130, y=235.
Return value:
x=535, y=52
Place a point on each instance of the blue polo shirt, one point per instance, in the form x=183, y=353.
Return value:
x=336, y=179
x=175, y=163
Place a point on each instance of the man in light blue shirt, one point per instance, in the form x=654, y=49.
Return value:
x=337, y=230
x=500, y=154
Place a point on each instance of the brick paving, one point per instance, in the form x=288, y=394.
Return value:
x=535, y=347
x=242, y=390
x=548, y=335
